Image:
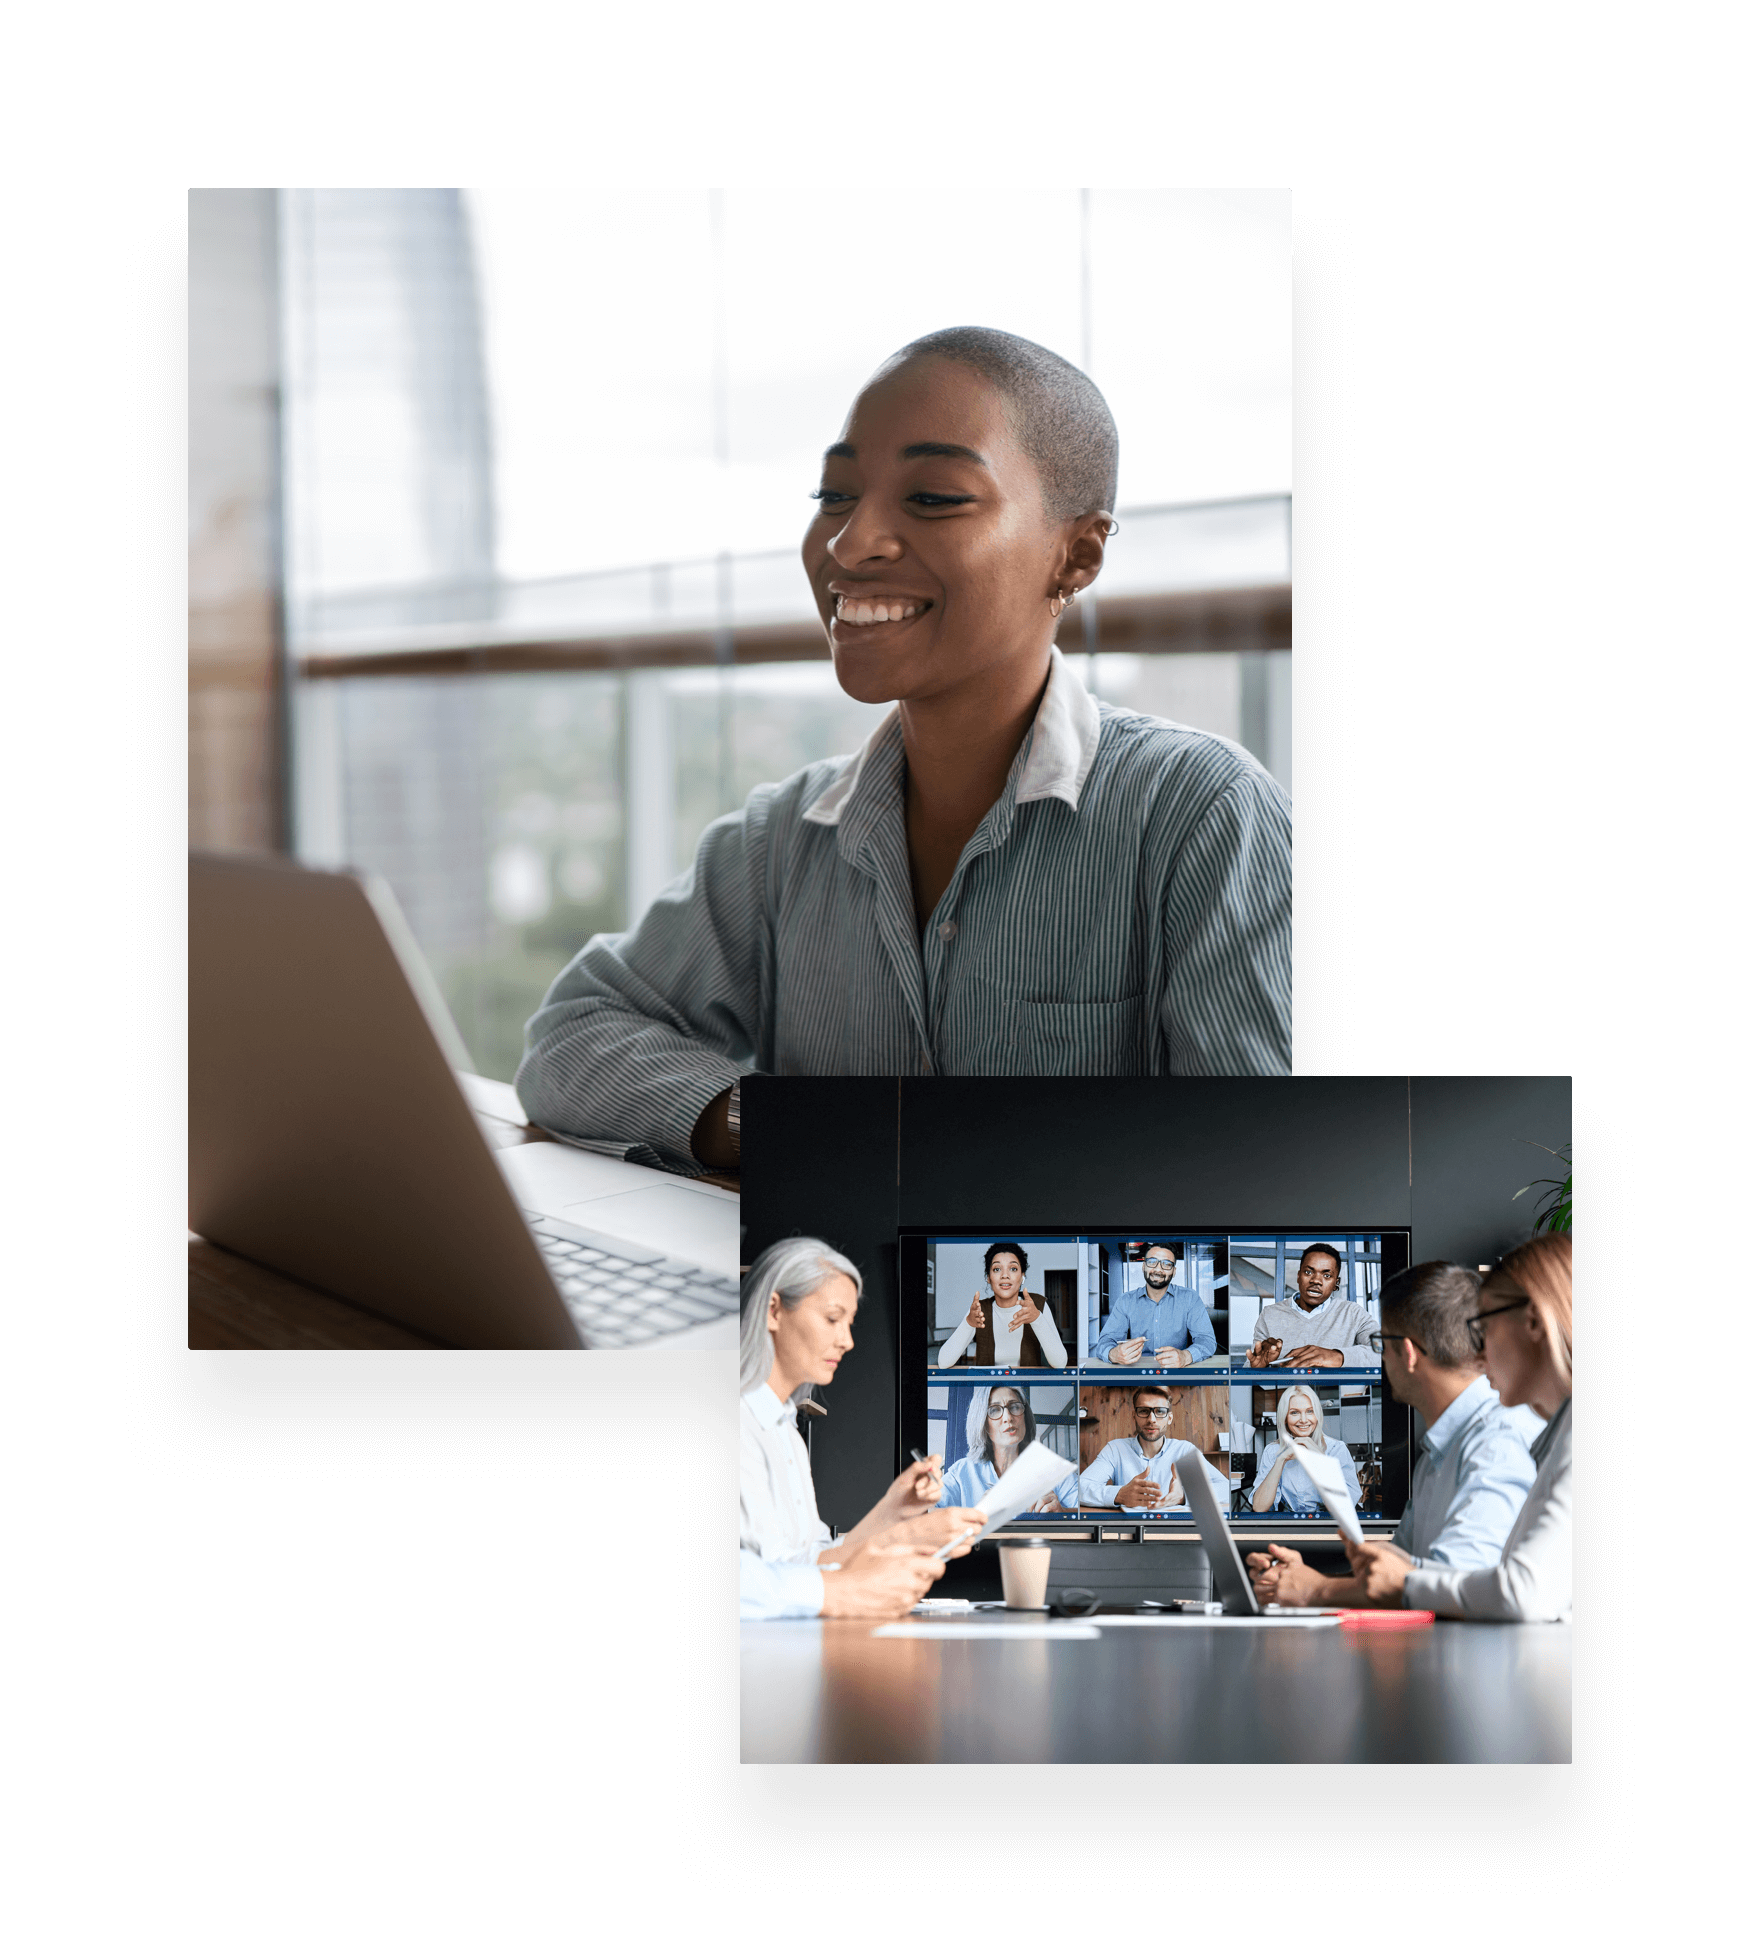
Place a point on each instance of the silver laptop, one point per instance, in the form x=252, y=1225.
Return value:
x=332, y=1137
x=1233, y=1588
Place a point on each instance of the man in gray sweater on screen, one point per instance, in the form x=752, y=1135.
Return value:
x=1320, y=1328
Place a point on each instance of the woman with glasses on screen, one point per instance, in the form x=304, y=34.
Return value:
x=999, y=1426
x=797, y=1319
x=1522, y=1331
x=1016, y=1331
x=1282, y=1483
x=1010, y=877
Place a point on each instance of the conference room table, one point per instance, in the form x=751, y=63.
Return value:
x=1156, y=1690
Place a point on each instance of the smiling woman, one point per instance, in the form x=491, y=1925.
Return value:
x=1009, y=877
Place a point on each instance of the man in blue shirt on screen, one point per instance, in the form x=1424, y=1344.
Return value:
x=1140, y=1472
x=1158, y=1322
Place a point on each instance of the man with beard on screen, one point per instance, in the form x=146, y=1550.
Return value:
x=1158, y=1322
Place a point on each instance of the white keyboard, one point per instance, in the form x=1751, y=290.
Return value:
x=621, y=1295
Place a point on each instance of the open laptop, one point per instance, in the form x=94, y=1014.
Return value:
x=332, y=1138
x=1233, y=1588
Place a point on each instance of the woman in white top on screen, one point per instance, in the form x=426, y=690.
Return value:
x=999, y=1426
x=1001, y=1330
x=797, y=1315
x=1282, y=1482
x=1523, y=1331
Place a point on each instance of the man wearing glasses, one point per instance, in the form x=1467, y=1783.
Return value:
x=1139, y=1472
x=1171, y=1324
x=1474, y=1467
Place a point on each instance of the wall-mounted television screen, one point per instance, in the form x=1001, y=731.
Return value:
x=1124, y=1348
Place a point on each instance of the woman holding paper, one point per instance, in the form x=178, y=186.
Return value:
x=1282, y=1482
x=797, y=1321
x=1523, y=1334
x=999, y=1426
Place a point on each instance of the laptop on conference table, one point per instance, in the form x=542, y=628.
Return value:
x=333, y=1138
x=1233, y=1588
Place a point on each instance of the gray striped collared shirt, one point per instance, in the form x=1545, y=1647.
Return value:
x=1123, y=909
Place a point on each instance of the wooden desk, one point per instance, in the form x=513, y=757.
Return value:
x=1186, y=1691
x=237, y=1304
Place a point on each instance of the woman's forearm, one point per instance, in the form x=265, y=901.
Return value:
x=956, y=1344
x=1265, y=1491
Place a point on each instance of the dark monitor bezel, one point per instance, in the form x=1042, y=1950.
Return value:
x=912, y=1424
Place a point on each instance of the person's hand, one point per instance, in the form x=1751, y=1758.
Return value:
x=1140, y=1490
x=1263, y=1354
x=929, y=1531
x=1311, y=1356
x=1048, y=1503
x=1171, y=1358
x=1028, y=1311
x=1382, y=1568
x=1282, y=1580
x=975, y=1314
x=1175, y=1494
x=915, y=1489
x=879, y=1583
x=1128, y=1351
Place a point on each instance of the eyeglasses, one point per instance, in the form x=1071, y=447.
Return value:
x=1158, y=1262
x=1379, y=1339
x=1476, y=1334
x=1149, y=1410
x=1006, y=1410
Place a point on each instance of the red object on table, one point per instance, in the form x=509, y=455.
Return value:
x=1384, y=1617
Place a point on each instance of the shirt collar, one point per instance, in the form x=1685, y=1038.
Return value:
x=1060, y=747
x=765, y=1406
x=1459, y=1414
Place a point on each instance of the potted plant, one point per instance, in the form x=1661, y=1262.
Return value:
x=1554, y=1214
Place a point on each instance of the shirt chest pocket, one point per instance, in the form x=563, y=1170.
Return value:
x=1049, y=1040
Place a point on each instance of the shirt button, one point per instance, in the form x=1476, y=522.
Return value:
x=947, y=931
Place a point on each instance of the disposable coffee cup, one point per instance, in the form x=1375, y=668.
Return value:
x=1026, y=1567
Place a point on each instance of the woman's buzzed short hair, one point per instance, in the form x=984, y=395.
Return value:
x=1059, y=415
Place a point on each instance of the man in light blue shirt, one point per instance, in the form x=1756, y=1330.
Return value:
x=1158, y=1322
x=1138, y=1473
x=1474, y=1470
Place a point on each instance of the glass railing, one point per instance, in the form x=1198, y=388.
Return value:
x=1240, y=544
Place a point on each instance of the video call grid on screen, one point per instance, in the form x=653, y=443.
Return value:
x=1224, y=1294
x=1092, y=1408
x=1234, y=1425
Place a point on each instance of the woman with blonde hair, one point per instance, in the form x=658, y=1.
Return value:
x=1523, y=1333
x=1282, y=1481
x=797, y=1323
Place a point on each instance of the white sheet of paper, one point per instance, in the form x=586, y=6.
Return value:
x=986, y=1630
x=1334, y=1492
x=1036, y=1471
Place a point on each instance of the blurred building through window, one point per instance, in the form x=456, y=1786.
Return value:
x=546, y=461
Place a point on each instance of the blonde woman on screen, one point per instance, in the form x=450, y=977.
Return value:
x=1282, y=1482
x=1522, y=1331
x=797, y=1321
